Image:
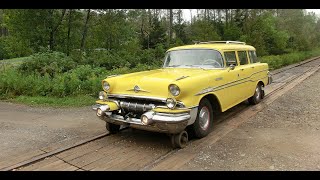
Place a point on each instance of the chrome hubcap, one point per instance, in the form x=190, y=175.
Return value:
x=257, y=93
x=204, y=118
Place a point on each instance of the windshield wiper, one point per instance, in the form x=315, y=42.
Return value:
x=174, y=66
x=195, y=66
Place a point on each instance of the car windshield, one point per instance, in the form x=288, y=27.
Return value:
x=198, y=58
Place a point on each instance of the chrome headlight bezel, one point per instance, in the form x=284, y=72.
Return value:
x=171, y=103
x=105, y=85
x=102, y=95
x=174, y=89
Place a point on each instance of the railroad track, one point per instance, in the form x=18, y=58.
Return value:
x=142, y=150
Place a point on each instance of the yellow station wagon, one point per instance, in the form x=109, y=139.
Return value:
x=195, y=83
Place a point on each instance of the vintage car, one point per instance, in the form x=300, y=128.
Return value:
x=195, y=83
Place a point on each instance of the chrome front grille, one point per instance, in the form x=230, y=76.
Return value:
x=136, y=106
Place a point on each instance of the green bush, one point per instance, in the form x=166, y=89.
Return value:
x=12, y=47
x=118, y=59
x=278, y=61
x=107, y=59
x=51, y=63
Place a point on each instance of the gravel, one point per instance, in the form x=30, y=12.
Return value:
x=284, y=136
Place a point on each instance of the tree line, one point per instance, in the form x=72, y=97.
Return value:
x=24, y=32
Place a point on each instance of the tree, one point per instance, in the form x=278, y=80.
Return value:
x=85, y=29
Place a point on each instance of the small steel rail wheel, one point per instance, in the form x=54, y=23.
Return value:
x=112, y=128
x=179, y=140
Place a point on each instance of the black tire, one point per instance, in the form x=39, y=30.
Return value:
x=173, y=144
x=179, y=140
x=112, y=128
x=199, y=129
x=258, y=95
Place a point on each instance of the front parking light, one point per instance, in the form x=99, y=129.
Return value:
x=171, y=103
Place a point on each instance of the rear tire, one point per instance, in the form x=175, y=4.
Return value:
x=112, y=128
x=258, y=95
x=204, y=121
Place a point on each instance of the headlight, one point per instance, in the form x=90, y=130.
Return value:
x=171, y=103
x=106, y=86
x=102, y=95
x=174, y=89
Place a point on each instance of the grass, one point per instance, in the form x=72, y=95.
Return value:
x=279, y=61
x=78, y=101
x=15, y=61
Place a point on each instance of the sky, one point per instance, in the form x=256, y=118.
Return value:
x=317, y=11
x=187, y=17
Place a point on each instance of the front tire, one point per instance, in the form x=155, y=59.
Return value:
x=204, y=121
x=258, y=95
x=112, y=128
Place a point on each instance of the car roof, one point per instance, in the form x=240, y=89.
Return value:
x=217, y=46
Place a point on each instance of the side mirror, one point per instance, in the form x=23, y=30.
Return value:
x=232, y=66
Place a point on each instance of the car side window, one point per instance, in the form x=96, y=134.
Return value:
x=230, y=58
x=243, y=57
x=253, y=57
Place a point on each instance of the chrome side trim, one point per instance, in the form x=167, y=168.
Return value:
x=206, y=90
x=230, y=84
x=212, y=89
x=182, y=77
x=219, y=78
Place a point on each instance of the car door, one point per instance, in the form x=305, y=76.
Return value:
x=229, y=91
x=245, y=74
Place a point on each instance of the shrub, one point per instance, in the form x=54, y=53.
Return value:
x=278, y=61
x=51, y=63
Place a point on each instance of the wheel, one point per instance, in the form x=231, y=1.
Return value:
x=112, y=128
x=258, y=95
x=203, y=123
x=179, y=140
x=173, y=144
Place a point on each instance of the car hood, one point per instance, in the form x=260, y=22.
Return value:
x=152, y=83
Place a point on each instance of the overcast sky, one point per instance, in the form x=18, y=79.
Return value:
x=187, y=17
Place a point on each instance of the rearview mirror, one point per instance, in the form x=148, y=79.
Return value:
x=232, y=66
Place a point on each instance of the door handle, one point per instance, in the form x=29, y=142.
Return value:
x=241, y=69
x=252, y=67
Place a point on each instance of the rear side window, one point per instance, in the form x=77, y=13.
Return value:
x=243, y=57
x=253, y=57
x=230, y=58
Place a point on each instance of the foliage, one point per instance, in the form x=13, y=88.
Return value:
x=69, y=51
x=278, y=61
x=50, y=63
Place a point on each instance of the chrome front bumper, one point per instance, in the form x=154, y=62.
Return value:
x=160, y=122
x=269, y=78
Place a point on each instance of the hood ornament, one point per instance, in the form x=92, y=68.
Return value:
x=137, y=89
